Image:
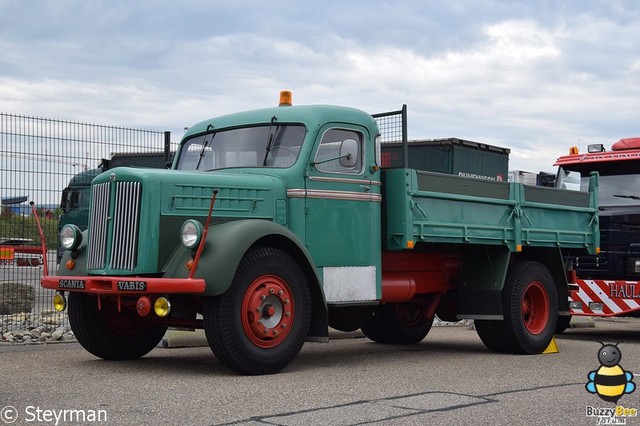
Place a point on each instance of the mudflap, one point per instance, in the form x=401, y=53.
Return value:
x=480, y=304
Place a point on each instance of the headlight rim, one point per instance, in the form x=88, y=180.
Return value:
x=75, y=236
x=197, y=228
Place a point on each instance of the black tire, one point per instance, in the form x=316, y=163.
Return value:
x=234, y=321
x=349, y=319
x=563, y=323
x=492, y=334
x=447, y=309
x=398, y=323
x=529, y=303
x=110, y=334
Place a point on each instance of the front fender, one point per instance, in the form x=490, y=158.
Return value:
x=225, y=246
x=79, y=258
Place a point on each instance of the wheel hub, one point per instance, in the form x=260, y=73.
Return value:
x=535, y=308
x=267, y=311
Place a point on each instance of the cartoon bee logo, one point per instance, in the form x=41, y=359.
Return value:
x=610, y=381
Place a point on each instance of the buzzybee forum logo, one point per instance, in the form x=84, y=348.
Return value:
x=610, y=382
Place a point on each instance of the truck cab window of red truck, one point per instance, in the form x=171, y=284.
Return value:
x=614, y=190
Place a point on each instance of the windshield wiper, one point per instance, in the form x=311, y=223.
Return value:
x=633, y=197
x=270, y=142
x=205, y=144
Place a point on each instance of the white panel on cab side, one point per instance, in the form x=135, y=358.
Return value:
x=349, y=283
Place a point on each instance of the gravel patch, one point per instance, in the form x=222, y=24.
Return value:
x=45, y=326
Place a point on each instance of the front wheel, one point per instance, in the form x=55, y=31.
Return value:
x=259, y=324
x=110, y=334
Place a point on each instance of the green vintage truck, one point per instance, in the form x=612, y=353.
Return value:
x=275, y=224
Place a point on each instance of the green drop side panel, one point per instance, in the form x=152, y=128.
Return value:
x=426, y=207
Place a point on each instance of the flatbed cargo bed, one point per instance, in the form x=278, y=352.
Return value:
x=428, y=207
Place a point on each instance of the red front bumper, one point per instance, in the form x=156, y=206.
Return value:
x=123, y=285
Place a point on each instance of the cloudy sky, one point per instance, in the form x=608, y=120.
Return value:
x=534, y=76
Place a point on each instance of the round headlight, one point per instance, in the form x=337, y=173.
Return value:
x=70, y=237
x=191, y=233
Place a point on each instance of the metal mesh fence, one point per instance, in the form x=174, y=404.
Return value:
x=38, y=159
x=393, y=137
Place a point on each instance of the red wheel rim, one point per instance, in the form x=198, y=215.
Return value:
x=535, y=308
x=410, y=315
x=127, y=322
x=267, y=311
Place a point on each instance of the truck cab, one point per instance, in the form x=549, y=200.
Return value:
x=606, y=283
x=618, y=205
x=74, y=202
x=311, y=170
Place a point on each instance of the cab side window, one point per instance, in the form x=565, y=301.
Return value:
x=340, y=151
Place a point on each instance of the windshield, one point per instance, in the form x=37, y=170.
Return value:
x=613, y=190
x=75, y=198
x=272, y=145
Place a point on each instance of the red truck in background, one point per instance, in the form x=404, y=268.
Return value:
x=20, y=252
x=608, y=283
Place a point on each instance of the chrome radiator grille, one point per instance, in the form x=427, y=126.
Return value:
x=121, y=233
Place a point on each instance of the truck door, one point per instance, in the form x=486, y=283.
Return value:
x=343, y=215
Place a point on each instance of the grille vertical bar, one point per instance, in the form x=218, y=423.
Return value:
x=98, y=221
x=126, y=220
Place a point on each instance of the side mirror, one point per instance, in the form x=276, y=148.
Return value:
x=64, y=202
x=349, y=152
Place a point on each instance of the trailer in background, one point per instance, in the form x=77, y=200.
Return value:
x=452, y=156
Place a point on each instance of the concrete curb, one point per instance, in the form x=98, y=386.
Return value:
x=183, y=338
x=581, y=322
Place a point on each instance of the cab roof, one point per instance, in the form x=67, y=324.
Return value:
x=310, y=115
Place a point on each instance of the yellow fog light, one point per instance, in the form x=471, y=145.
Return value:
x=59, y=302
x=162, y=307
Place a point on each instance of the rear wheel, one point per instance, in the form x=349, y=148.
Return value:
x=110, y=334
x=400, y=323
x=492, y=334
x=563, y=323
x=529, y=302
x=259, y=325
x=349, y=319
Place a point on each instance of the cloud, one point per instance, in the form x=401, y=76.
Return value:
x=533, y=76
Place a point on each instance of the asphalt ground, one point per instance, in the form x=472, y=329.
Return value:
x=448, y=379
